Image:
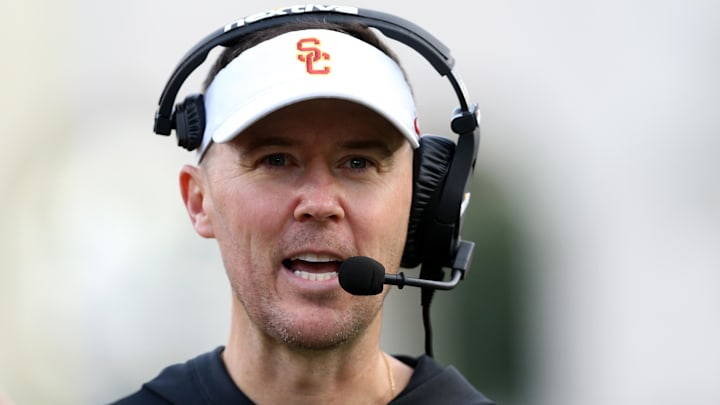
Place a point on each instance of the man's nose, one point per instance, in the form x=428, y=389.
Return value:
x=321, y=196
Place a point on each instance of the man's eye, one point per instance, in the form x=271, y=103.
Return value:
x=357, y=163
x=276, y=160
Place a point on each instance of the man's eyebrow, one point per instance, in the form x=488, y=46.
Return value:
x=256, y=143
x=248, y=148
x=369, y=144
x=260, y=142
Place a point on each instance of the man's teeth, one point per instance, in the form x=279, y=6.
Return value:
x=313, y=258
x=315, y=276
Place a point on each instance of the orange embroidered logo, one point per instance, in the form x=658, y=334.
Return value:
x=311, y=55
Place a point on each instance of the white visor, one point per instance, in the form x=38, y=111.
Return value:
x=303, y=65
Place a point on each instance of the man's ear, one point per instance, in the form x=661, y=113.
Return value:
x=193, y=194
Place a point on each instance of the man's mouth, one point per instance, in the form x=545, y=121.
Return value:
x=313, y=267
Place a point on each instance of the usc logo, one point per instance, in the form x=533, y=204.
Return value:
x=311, y=55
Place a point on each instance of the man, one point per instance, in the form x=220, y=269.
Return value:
x=306, y=160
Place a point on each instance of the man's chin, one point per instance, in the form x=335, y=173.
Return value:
x=323, y=329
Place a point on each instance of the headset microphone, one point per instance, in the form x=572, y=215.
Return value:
x=362, y=275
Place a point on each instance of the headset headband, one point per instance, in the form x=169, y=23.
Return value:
x=401, y=30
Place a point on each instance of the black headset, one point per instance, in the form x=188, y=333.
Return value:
x=442, y=168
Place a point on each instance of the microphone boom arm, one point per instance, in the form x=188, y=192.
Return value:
x=401, y=281
x=461, y=263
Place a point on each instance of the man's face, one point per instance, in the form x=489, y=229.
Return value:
x=291, y=197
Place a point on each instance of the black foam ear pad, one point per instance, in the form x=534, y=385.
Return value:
x=190, y=121
x=431, y=163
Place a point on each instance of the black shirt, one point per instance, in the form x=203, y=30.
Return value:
x=205, y=380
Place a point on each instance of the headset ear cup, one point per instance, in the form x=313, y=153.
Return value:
x=431, y=162
x=190, y=121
